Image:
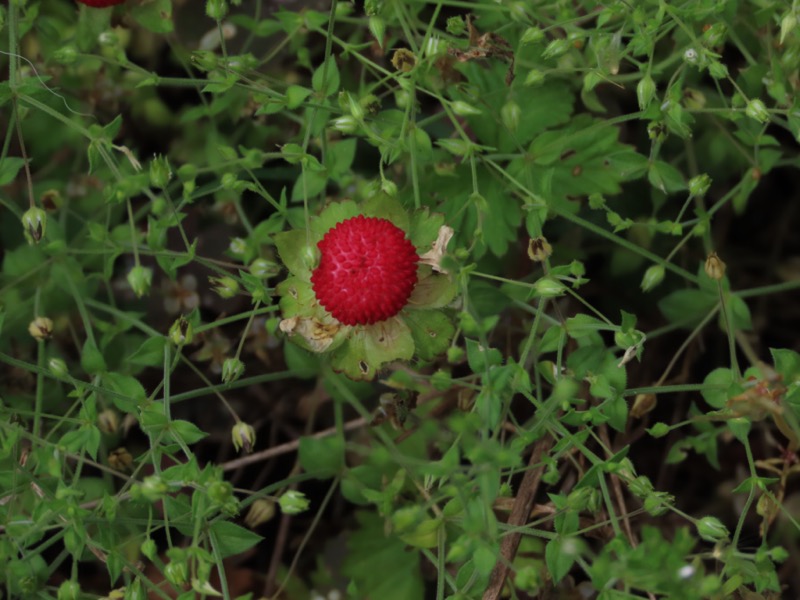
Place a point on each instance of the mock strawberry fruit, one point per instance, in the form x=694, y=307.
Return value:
x=101, y=3
x=367, y=270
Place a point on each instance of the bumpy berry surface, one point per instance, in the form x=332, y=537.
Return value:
x=367, y=270
x=101, y=3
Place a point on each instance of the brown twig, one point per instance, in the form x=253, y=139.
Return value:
x=519, y=516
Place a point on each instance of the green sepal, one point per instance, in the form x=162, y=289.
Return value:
x=425, y=229
x=371, y=346
x=332, y=215
x=432, y=331
x=292, y=247
x=433, y=290
x=384, y=206
x=297, y=298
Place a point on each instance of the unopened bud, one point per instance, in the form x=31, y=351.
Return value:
x=226, y=286
x=645, y=90
x=699, y=184
x=756, y=109
x=41, y=328
x=181, y=332
x=510, y=115
x=642, y=405
x=140, y=279
x=539, y=249
x=715, y=268
x=58, y=367
x=547, y=287
x=35, y=223
x=464, y=109
x=152, y=488
x=69, y=590
x=108, y=421
x=261, y=511
x=711, y=529
x=243, y=436
x=232, y=369
x=293, y=502
x=346, y=124
x=121, y=460
x=263, y=268
x=217, y=9
x=788, y=23
x=652, y=277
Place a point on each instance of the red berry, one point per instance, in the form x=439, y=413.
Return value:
x=367, y=270
x=101, y=3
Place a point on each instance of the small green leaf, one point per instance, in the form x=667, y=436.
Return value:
x=719, y=382
x=322, y=457
x=326, y=78
x=559, y=562
x=92, y=359
x=229, y=539
x=188, y=432
x=9, y=167
x=432, y=331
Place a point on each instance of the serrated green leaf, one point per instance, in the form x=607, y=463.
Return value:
x=432, y=331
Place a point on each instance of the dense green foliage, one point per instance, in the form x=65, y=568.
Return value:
x=602, y=400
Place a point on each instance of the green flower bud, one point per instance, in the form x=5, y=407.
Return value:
x=66, y=55
x=205, y=59
x=176, y=572
x=243, y=436
x=108, y=38
x=652, y=277
x=263, y=268
x=699, y=184
x=464, y=109
x=217, y=9
x=757, y=110
x=69, y=590
x=645, y=90
x=641, y=487
x=389, y=187
x=226, y=286
x=153, y=488
x=34, y=220
x=532, y=35
x=547, y=287
x=181, y=332
x=657, y=504
x=160, y=173
x=293, y=502
x=232, y=369
x=456, y=26
x=58, y=367
x=718, y=70
x=229, y=181
x=220, y=492
x=238, y=247
x=510, y=114
x=712, y=530
x=346, y=124
x=140, y=278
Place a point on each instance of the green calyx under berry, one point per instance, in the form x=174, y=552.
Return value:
x=374, y=291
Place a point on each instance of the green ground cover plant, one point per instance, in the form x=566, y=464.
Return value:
x=579, y=377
